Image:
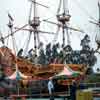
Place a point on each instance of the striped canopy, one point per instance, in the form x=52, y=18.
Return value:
x=17, y=75
x=67, y=72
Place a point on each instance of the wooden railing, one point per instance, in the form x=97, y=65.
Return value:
x=92, y=85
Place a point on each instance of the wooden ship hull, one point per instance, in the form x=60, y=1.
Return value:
x=37, y=74
x=9, y=60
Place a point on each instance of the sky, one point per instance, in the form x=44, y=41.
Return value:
x=81, y=12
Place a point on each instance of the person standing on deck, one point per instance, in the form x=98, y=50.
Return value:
x=73, y=89
x=50, y=88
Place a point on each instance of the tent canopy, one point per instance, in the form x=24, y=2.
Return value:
x=67, y=72
x=17, y=75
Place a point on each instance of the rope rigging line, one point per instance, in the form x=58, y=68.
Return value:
x=13, y=41
x=27, y=44
x=30, y=11
x=24, y=43
x=45, y=19
x=56, y=35
x=10, y=26
x=52, y=12
x=2, y=39
x=39, y=3
x=59, y=7
x=30, y=32
x=14, y=44
x=42, y=6
x=68, y=37
x=8, y=38
x=84, y=9
x=38, y=39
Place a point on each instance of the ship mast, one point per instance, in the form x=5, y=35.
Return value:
x=97, y=39
x=64, y=18
x=99, y=13
x=34, y=23
x=10, y=26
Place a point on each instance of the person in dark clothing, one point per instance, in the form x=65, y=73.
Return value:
x=73, y=89
x=51, y=89
x=20, y=52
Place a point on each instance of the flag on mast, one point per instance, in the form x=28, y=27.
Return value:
x=10, y=17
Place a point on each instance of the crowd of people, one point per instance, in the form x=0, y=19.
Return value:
x=57, y=54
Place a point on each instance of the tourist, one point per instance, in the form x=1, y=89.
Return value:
x=51, y=88
x=73, y=89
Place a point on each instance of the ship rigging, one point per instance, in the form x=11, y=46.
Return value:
x=40, y=62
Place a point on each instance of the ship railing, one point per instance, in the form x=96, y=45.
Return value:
x=92, y=85
x=33, y=93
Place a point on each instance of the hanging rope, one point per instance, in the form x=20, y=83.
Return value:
x=2, y=39
x=24, y=43
x=59, y=7
x=7, y=38
x=68, y=38
x=14, y=44
x=56, y=35
x=14, y=47
x=38, y=39
x=27, y=44
x=30, y=32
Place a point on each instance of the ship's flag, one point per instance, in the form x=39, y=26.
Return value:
x=10, y=17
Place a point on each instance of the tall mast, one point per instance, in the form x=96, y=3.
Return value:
x=10, y=26
x=99, y=13
x=35, y=27
x=34, y=23
x=97, y=38
x=64, y=18
x=65, y=7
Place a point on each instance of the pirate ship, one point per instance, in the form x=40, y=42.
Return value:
x=40, y=63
